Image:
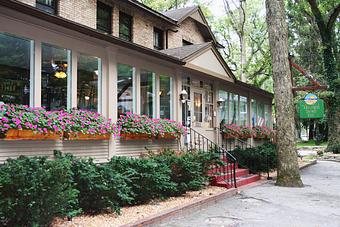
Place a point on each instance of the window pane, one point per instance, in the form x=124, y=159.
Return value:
x=15, y=69
x=158, y=39
x=125, y=89
x=209, y=106
x=243, y=110
x=198, y=109
x=55, y=71
x=254, y=112
x=125, y=26
x=267, y=114
x=260, y=114
x=224, y=109
x=48, y=6
x=147, y=93
x=165, y=93
x=104, y=17
x=88, y=74
x=233, y=111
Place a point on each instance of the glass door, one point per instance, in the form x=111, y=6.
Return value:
x=198, y=108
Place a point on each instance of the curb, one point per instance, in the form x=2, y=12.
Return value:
x=182, y=209
x=308, y=165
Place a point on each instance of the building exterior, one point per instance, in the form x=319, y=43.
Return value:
x=117, y=56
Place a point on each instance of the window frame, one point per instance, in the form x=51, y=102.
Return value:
x=108, y=8
x=123, y=15
x=186, y=42
x=160, y=39
x=52, y=9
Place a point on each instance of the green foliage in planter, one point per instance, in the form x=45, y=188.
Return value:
x=149, y=179
x=35, y=190
x=257, y=159
x=188, y=170
x=101, y=188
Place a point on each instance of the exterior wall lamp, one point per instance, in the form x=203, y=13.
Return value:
x=183, y=96
x=220, y=102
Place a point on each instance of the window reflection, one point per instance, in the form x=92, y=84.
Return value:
x=15, y=69
x=88, y=73
x=198, y=110
x=233, y=111
x=165, y=92
x=125, y=89
x=147, y=93
x=55, y=72
x=260, y=114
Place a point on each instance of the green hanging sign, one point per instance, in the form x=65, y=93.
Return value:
x=311, y=107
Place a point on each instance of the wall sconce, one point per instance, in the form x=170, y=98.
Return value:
x=220, y=102
x=183, y=96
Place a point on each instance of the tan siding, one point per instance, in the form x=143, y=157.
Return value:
x=136, y=147
x=13, y=149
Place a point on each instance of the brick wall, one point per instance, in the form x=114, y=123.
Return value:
x=189, y=31
x=80, y=11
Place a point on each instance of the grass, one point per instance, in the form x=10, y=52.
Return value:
x=311, y=143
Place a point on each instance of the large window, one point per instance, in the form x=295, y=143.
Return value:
x=55, y=73
x=198, y=109
x=165, y=94
x=254, y=112
x=49, y=6
x=267, y=115
x=260, y=114
x=147, y=93
x=209, y=108
x=104, y=17
x=243, y=111
x=16, y=68
x=125, y=94
x=233, y=111
x=223, y=110
x=158, y=39
x=125, y=26
x=88, y=76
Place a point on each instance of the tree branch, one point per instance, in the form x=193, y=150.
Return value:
x=318, y=16
x=332, y=17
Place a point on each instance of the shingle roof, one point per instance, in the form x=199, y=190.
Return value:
x=185, y=51
x=179, y=14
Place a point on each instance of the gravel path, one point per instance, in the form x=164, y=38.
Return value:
x=317, y=204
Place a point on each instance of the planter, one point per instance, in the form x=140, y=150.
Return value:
x=15, y=134
x=228, y=137
x=167, y=136
x=82, y=136
x=130, y=136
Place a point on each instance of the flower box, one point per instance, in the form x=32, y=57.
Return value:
x=82, y=136
x=167, y=136
x=16, y=134
x=229, y=136
x=130, y=136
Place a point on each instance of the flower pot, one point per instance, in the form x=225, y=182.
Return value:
x=82, y=136
x=15, y=134
x=130, y=136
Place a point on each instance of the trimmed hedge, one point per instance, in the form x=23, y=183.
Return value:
x=35, y=190
x=257, y=159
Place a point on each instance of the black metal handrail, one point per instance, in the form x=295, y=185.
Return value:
x=197, y=141
x=231, y=144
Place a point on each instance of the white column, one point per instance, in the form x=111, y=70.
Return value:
x=137, y=87
x=109, y=91
x=177, y=88
x=73, y=80
x=37, y=74
x=157, y=98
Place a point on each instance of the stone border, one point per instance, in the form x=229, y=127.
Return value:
x=308, y=164
x=182, y=209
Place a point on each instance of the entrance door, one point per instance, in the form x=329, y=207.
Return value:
x=197, y=108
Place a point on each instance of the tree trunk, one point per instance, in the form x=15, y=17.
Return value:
x=311, y=130
x=288, y=173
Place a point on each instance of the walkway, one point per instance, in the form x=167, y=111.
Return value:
x=317, y=204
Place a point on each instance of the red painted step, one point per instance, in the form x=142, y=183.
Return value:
x=239, y=173
x=240, y=181
x=220, y=169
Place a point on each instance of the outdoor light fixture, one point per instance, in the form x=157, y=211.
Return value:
x=220, y=102
x=183, y=96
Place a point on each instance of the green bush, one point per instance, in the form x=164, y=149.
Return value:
x=149, y=179
x=101, y=188
x=188, y=170
x=257, y=159
x=35, y=190
x=335, y=149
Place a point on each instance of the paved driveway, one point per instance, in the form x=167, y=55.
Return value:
x=317, y=204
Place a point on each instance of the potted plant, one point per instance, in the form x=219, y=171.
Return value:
x=168, y=129
x=231, y=131
x=136, y=127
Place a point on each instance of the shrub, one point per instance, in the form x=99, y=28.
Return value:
x=101, y=188
x=188, y=170
x=35, y=190
x=149, y=179
x=257, y=159
x=335, y=148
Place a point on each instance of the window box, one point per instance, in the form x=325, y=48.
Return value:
x=25, y=134
x=167, y=136
x=130, y=136
x=82, y=136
